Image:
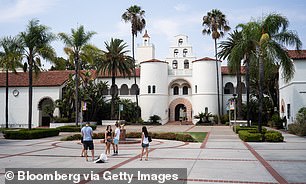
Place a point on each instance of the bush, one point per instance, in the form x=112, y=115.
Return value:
x=224, y=118
x=184, y=138
x=299, y=126
x=133, y=135
x=98, y=135
x=72, y=137
x=276, y=121
x=273, y=136
x=252, y=129
x=154, y=119
x=249, y=137
x=73, y=128
x=30, y=134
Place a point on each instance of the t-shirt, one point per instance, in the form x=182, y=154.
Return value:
x=145, y=139
x=87, y=132
x=117, y=133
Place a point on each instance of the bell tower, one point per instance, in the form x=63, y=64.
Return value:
x=146, y=50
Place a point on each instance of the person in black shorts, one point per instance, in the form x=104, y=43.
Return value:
x=87, y=134
x=108, y=139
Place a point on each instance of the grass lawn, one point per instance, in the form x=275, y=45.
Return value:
x=198, y=136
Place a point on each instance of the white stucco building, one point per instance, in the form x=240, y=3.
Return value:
x=178, y=84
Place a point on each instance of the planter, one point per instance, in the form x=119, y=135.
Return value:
x=55, y=125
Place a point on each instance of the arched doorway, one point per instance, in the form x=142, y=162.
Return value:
x=180, y=111
x=176, y=105
x=46, y=109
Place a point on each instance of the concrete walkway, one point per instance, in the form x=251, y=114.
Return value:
x=221, y=158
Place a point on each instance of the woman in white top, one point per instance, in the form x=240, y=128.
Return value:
x=144, y=142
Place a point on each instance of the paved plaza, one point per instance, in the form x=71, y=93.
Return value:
x=221, y=158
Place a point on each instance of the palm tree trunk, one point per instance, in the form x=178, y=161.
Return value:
x=217, y=70
x=30, y=91
x=113, y=94
x=134, y=71
x=76, y=63
x=247, y=82
x=260, y=91
x=6, y=100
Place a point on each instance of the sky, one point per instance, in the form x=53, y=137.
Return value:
x=164, y=19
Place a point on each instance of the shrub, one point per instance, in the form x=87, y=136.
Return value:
x=249, y=137
x=133, y=135
x=165, y=135
x=299, y=126
x=73, y=128
x=273, y=136
x=184, y=138
x=224, y=118
x=154, y=119
x=31, y=134
x=252, y=129
x=61, y=120
x=100, y=135
x=72, y=137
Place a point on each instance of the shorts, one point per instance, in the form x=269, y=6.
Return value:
x=109, y=140
x=88, y=145
x=144, y=145
x=116, y=141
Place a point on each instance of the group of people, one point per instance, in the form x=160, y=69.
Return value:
x=111, y=139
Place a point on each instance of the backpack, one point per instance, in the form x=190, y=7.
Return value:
x=101, y=159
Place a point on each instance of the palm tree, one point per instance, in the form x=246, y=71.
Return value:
x=135, y=15
x=36, y=44
x=116, y=62
x=215, y=23
x=10, y=59
x=272, y=44
x=74, y=45
x=230, y=51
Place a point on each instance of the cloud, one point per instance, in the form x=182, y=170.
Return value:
x=15, y=10
x=166, y=27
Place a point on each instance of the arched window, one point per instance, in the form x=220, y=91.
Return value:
x=229, y=88
x=185, y=90
x=180, y=41
x=186, y=64
x=124, y=90
x=174, y=64
x=149, y=89
x=134, y=90
x=175, y=52
x=153, y=89
x=175, y=90
x=185, y=52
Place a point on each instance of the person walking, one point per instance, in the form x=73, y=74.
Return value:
x=87, y=134
x=116, y=138
x=144, y=143
x=108, y=139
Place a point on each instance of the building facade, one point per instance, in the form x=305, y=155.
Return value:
x=180, y=86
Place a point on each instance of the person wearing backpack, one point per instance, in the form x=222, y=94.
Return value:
x=145, y=141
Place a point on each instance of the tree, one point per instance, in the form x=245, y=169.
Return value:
x=135, y=15
x=75, y=43
x=10, y=59
x=234, y=57
x=36, y=44
x=115, y=61
x=215, y=23
x=272, y=43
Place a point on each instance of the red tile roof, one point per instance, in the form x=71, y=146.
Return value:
x=297, y=55
x=225, y=70
x=153, y=60
x=108, y=75
x=50, y=78
x=206, y=59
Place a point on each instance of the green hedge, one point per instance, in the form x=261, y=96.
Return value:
x=251, y=134
x=169, y=136
x=246, y=136
x=73, y=128
x=30, y=134
x=273, y=136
